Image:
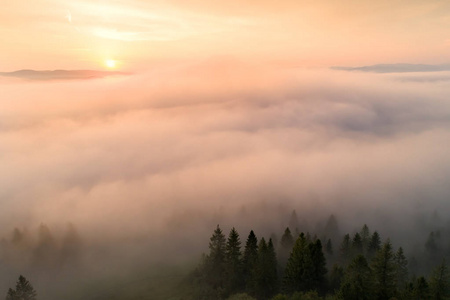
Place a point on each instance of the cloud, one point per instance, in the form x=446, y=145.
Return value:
x=397, y=68
x=61, y=74
x=166, y=155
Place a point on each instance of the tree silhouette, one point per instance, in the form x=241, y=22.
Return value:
x=24, y=291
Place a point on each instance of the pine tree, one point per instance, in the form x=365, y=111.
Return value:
x=293, y=275
x=24, y=291
x=318, y=269
x=233, y=263
x=329, y=248
x=365, y=237
x=401, y=269
x=357, y=281
x=286, y=245
x=266, y=270
x=335, y=278
x=249, y=261
x=331, y=228
x=384, y=272
x=374, y=245
x=215, y=262
x=357, y=245
x=293, y=222
x=440, y=282
x=345, y=250
x=420, y=289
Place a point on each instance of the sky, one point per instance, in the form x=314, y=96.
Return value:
x=56, y=34
x=216, y=112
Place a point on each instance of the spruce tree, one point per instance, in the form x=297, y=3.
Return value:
x=357, y=283
x=401, y=269
x=374, y=245
x=293, y=275
x=365, y=237
x=215, y=264
x=329, y=248
x=286, y=245
x=249, y=261
x=335, y=278
x=384, y=272
x=421, y=289
x=266, y=271
x=24, y=291
x=345, y=250
x=233, y=263
x=318, y=269
x=357, y=245
x=440, y=282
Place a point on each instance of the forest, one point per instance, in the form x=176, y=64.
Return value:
x=319, y=263
x=302, y=265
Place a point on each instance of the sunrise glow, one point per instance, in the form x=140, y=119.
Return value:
x=110, y=63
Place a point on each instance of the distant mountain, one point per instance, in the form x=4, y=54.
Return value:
x=60, y=74
x=397, y=68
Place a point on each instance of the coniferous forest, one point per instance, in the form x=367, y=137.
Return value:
x=301, y=265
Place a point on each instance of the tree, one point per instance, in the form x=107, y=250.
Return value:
x=329, y=248
x=420, y=290
x=215, y=263
x=357, y=245
x=401, y=269
x=440, y=282
x=318, y=269
x=306, y=267
x=335, y=278
x=250, y=259
x=233, y=263
x=293, y=275
x=384, y=272
x=266, y=270
x=345, y=249
x=357, y=280
x=286, y=245
x=374, y=245
x=365, y=237
x=24, y=291
x=331, y=228
x=293, y=221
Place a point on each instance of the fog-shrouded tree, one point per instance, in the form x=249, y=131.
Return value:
x=286, y=245
x=331, y=229
x=293, y=275
x=266, y=270
x=440, y=282
x=374, y=245
x=401, y=269
x=250, y=260
x=383, y=268
x=215, y=263
x=233, y=263
x=24, y=291
x=329, y=248
x=306, y=267
x=357, y=245
x=293, y=222
x=420, y=289
x=345, y=250
x=365, y=237
x=357, y=284
x=335, y=278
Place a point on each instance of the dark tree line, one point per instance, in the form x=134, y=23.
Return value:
x=362, y=267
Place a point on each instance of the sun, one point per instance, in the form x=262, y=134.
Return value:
x=110, y=63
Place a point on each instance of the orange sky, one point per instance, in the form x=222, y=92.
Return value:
x=83, y=34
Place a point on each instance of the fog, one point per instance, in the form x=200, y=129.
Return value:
x=143, y=166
